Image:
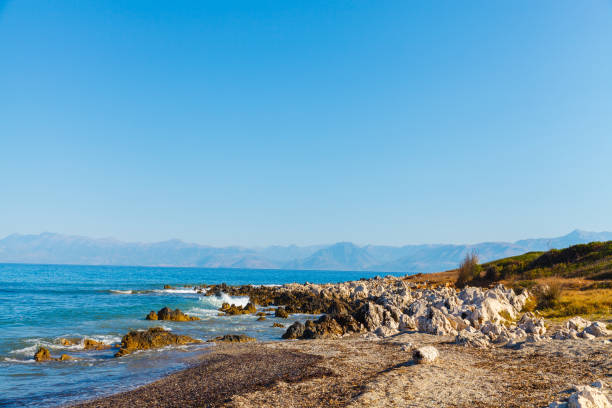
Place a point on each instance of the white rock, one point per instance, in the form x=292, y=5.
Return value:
x=531, y=324
x=384, y=331
x=577, y=323
x=425, y=355
x=533, y=338
x=588, y=397
x=586, y=336
x=477, y=339
x=597, y=329
x=407, y=323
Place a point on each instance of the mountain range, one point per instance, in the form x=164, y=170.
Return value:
x=50, y=248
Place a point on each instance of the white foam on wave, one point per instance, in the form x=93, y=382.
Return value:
x=201, y=312
x=56, y=345
x=215, y=302
x=104, y=338
x=186, y=291
x=121, y=292
x=14, y=360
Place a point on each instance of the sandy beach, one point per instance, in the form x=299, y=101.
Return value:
x=354, y=372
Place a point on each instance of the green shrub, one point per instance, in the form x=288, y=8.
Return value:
x=469, y=269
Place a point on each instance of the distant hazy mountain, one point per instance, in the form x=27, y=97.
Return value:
x=66, y=249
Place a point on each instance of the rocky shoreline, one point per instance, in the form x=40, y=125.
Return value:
x=491, y=330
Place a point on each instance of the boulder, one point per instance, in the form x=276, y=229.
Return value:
x=168, y=314
x=425, y=355
x=370, y=315
x=90, y=344
x=43, y=354
x=261, y=318
x=384, y=331
x=565, y=334
x=281, y=312
x=278, y=325
x=586, y=335
x=473, y=339
x=68, y=342
x=577, y=323
x=325, y=327
x=233, y=338
x=155, y=337
x=531, y=324
x=598, y=329
x=295, y=331
x=588, y=397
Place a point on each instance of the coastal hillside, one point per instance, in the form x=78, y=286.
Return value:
x=592, y=261
x=566, y=282
x=345, y=256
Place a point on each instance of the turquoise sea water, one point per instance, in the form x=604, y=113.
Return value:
x=39, y=304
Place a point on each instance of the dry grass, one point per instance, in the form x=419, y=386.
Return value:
x=592, y=304
x=549, y=294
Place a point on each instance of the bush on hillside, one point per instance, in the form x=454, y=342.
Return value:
x=548, y=296
x=469, y=269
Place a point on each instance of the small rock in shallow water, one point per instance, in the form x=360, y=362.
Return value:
x=68, y=342
x=175, y=315
x=237, y=310
x=425, y=355
x=42, y=354
x=90, y=344
x=281, y=312
x=233, y=338
x=278, y=325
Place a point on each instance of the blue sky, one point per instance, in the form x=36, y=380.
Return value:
x=267, y=122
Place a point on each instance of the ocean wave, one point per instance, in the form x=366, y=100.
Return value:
x=14, y=360
x=55, y=344
x=121, y=292
x=201, y=312
x=179, y=291
x=215, y=302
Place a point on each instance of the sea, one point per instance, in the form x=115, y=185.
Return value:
x=40, y=304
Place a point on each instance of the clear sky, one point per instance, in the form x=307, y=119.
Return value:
x=277, y=122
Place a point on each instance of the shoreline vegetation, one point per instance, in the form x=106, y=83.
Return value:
x=527, y=331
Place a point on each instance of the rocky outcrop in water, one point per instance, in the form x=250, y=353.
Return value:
x=43, y=354
x=90, y=344
x=168, y=314
x=238, y=310
x=155, y=337
x=68, y=342
x=281, y=312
